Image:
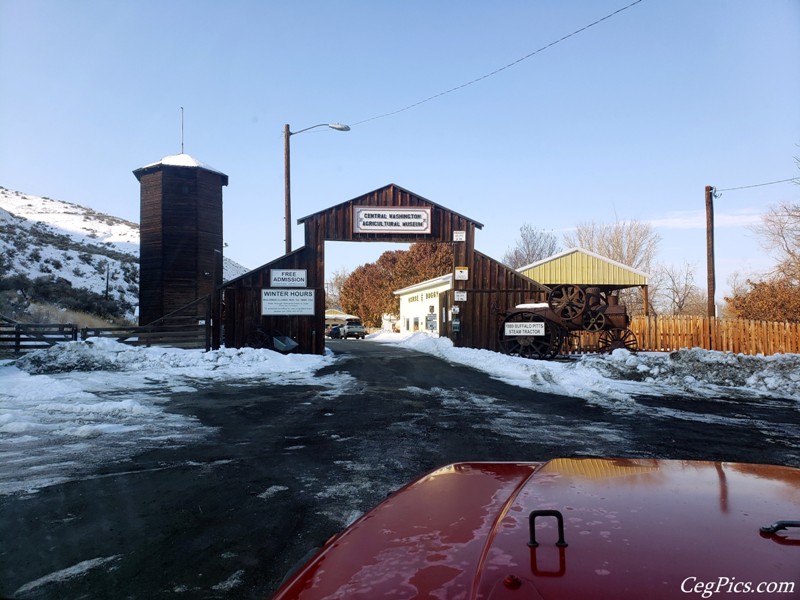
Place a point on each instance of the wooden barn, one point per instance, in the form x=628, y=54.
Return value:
x=180, y=258
x=286, y=297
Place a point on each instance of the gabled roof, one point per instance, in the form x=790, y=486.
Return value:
x=393, y=190
x=583, y=267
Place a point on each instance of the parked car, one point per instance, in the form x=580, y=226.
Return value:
x=570, y=529
x=334, y=332
x=353, y=328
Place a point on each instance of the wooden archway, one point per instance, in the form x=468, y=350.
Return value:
x=483, y=287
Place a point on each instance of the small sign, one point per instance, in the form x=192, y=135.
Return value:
x=459, y=236
x=525, y=329
x=288, y=277
x=287, y=302
x=462, y=273
x=460, y=296
x=430, y=322
x=382, y=219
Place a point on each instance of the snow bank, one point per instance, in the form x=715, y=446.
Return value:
x=622, y=374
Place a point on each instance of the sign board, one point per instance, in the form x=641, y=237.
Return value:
x=287, y=302
x=459, y=236
x=381, y=219
x=460, y=296
x=288, y=278
x=462, y=273
x=525, y=328
x=430, y=322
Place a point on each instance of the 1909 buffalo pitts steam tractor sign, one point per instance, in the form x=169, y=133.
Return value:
x=543, y=330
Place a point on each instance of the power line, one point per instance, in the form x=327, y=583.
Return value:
x=496, y=71
x=744, y=187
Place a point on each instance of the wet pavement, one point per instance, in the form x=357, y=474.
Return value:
x=287, y=466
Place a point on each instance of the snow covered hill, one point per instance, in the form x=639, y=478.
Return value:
x=42, y=237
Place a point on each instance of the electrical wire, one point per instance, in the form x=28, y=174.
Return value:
x=496, y=71
x=744, y=187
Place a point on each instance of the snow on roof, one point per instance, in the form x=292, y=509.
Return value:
x=182, y=160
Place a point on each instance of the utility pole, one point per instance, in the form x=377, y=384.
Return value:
x=287, y=188
x=710, y=250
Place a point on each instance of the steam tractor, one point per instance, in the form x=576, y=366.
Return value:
x=542, y=330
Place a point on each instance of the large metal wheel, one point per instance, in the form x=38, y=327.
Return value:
x=530, y=335
x=567, y=301
x=612, y=339
x=594, y=321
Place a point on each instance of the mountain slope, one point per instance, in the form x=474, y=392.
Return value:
x=56, y=240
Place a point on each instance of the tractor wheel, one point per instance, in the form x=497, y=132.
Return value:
x=567, y=301
x=612, y=339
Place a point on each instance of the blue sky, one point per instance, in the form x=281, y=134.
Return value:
x=629, y=119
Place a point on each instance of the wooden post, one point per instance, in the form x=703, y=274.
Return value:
x=710, y=250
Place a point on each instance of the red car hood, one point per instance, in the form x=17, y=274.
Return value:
x=633, y=528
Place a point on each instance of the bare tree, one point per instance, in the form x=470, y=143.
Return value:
x=632, y=243
x=333, y=288
x=780, y=233
x=533, y=245
x=677, y=286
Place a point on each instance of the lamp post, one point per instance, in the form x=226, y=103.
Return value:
x=287, y=173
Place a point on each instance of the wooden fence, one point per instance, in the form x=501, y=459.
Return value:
x=668, y=333
x=189, y=327
x=740, y=336
x=17, y=338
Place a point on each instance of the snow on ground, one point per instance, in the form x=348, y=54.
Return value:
x=622, y=374
x=69, y=408
x=74, y=406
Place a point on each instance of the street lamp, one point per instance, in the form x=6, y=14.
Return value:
x=286, y=135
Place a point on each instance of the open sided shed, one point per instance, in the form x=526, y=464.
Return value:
x=482, y=287
x=583, y=267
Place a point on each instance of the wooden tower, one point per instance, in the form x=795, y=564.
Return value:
x=180, y=256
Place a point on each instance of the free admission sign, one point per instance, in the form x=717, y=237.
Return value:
x=287, y=302
x=288, y=277
x=379, y=219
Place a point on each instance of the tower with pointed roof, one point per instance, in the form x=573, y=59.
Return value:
x=180, y=255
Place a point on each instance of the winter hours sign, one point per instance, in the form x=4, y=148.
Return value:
x=287, y=302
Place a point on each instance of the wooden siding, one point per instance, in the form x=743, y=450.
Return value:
x=243, y=321
x=181, y=238
x=492, y=287
x=581, y=267
x=336, y=223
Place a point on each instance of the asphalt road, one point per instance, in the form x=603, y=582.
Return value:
x=289, y=466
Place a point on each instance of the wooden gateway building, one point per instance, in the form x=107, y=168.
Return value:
x=282, y=303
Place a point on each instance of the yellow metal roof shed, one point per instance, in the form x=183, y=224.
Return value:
x=583, y=267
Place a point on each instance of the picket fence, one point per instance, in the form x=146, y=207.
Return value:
x=741, y=336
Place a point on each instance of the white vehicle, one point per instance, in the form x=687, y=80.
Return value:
x=353, y=328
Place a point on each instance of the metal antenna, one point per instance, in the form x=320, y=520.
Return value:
x=181, y=130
